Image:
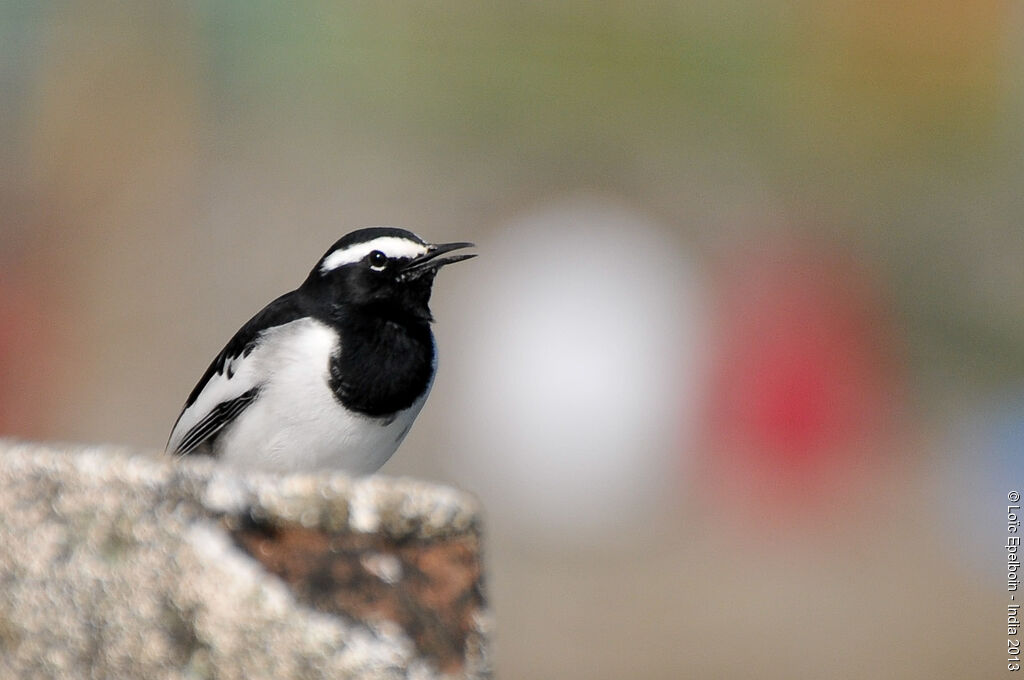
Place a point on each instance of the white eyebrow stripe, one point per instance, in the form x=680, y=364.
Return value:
x=392, y=246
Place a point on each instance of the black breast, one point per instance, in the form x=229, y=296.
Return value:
x=384, y=365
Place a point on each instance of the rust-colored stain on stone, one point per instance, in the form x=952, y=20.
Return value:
x=431, y=588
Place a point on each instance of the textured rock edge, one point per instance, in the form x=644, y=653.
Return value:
x=213, y=523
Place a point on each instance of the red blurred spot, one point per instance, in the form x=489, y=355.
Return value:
x=27, y=356
x=806, y=382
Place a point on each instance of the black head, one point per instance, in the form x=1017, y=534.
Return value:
x=384, y=269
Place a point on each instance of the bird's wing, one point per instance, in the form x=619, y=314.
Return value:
x=230, y=383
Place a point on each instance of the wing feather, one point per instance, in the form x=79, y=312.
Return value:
x=222, y=414
x=231, y=381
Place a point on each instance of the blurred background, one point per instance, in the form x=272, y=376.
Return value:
x=739, y=373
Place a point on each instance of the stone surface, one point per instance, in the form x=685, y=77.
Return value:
x=116, y=564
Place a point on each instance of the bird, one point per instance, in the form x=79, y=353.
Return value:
x=331, y=375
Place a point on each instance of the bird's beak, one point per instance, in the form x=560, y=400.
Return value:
x=432, y=261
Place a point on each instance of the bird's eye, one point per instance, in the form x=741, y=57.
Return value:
x=378, y=260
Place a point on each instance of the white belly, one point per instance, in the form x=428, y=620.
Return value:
x=296, y=423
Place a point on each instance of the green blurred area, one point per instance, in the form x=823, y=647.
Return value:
x=799, y=89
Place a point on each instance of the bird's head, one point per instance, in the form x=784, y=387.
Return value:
x=385, y=268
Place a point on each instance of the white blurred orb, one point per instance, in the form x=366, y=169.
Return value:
x=575, y=371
